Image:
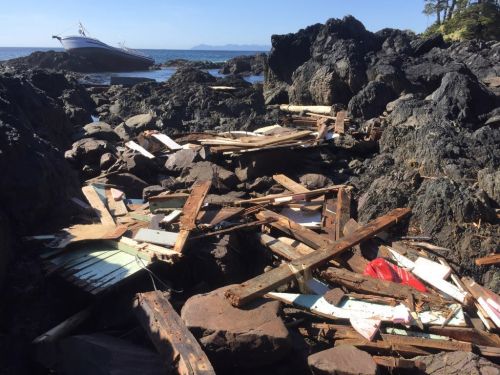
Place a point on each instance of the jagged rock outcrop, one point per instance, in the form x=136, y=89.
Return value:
x=245, y=65
x=186, y=103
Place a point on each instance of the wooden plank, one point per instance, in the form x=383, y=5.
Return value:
x=167, y=141
x=190, y=211
x=289, y=197
x=421, y=342
x=290, y=184
x=116, y=207
x=97, y=204
x=339, y=122
x=488, y=260
x=280, y=248
x=258, y=286
x=366, y=284
x=321, y=109
x=472, y=335
x=380, y=345
x=343, y=212
x=294, y=229
x=209, y=219
x=87, y=232
x=136, y=147
x=489, y=301
x=170, y=335
x=234, y=228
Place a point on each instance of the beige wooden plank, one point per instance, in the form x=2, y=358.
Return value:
x=98, y=205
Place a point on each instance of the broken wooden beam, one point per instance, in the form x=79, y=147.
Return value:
x=426, y=344
x=339, y=122
x=290, y=197
x=190, y=211
x=290, y=184
x=366, y=284
x=488, y=260
x=343, y=211
x=98, y=205
x=258, y=286
x=169, y=335
x=297, y=231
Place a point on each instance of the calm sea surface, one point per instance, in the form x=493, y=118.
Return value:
x=160, y=56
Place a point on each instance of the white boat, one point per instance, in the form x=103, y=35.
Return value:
x=106, y=57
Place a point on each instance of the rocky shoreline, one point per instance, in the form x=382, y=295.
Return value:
x=433, y=109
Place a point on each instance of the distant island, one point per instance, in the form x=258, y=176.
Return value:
x=232, y=47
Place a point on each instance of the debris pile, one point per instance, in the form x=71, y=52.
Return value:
x=348, y=225
x=314, y=288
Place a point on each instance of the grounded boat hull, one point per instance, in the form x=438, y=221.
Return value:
x=107, y=57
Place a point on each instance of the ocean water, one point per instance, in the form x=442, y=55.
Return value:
x=160, y=56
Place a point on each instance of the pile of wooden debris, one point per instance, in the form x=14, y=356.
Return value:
x=342, y=286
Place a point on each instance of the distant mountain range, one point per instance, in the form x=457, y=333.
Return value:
x=232, y=47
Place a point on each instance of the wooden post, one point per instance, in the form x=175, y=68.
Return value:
x=169, y=334
x=258, y=286
x=339, y=123
x=190, y=211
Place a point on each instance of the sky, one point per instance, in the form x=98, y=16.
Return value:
x=182, y=24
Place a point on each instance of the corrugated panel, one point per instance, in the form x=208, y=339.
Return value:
x=94, y=267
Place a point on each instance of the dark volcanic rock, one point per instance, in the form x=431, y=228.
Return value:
x=54, y=61
x=186, y=103
x=371, y=100
x=233, y=337
x=62, y=61
x=245, y=65
x=456, y=363
x=87, y=151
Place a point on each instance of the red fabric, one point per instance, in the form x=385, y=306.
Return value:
x=381, y=269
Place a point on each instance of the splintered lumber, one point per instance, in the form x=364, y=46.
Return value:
x=116, y=207
x=366, y=284
x=290, y=184
x=97, y=204
x=321, y=109
x=472, y=335
x=297, y=188
x=280, y=248
x=87, y=232
x=169, y=335
x=235, y=227
x=297, y=231
x=243, y=293
x=289, y=197
x=339, y=122
x=190, y=211
x=382, y=346
x=343, y=212
x=487, y=260
x=421, y=342
x=489, y=301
